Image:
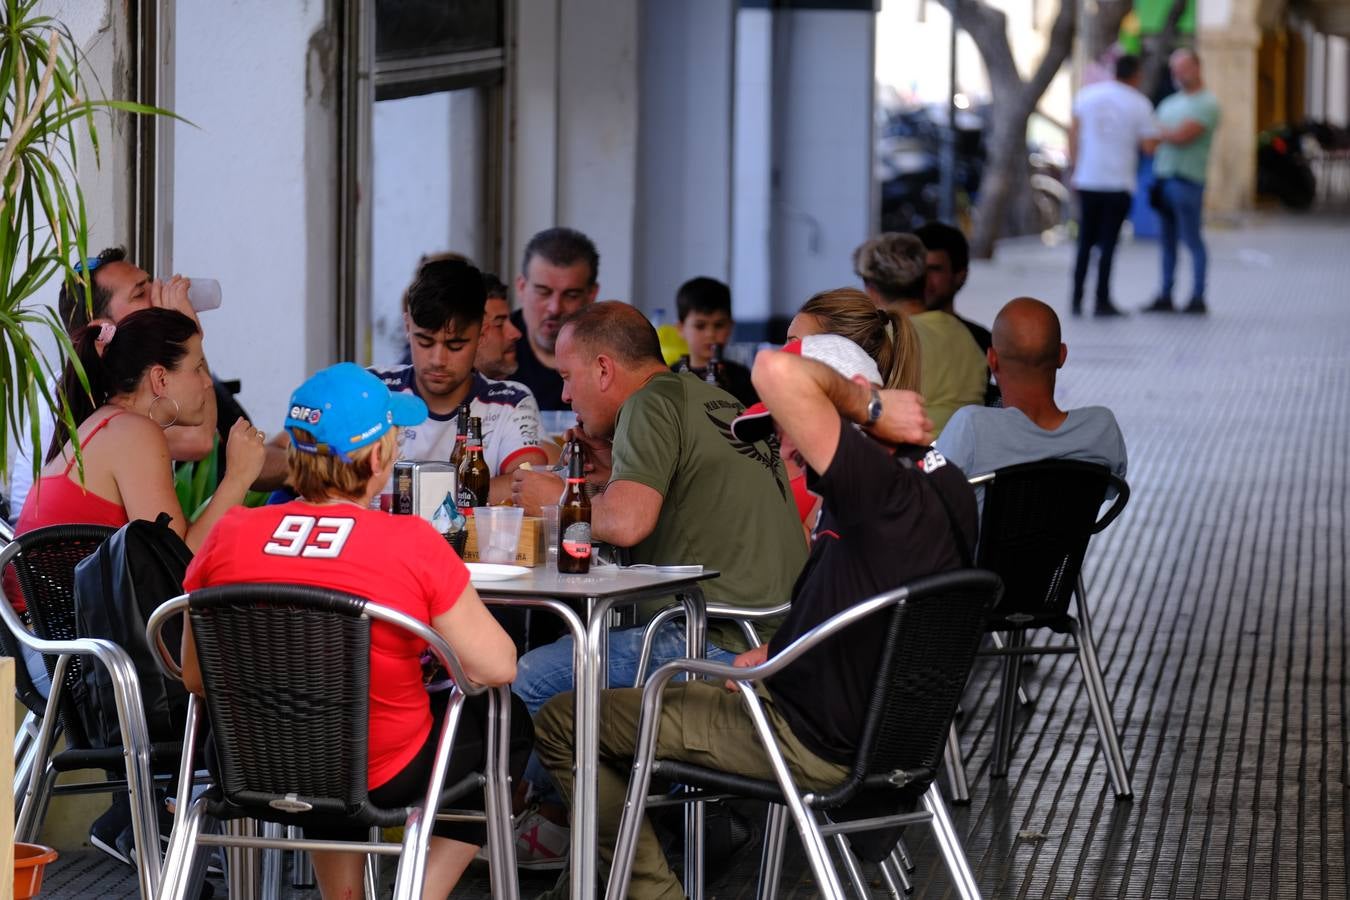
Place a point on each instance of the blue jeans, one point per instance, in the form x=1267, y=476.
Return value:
x=37, y=670
x=1186, y=203
x=546, y=672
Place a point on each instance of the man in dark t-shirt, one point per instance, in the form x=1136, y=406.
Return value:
x=557, y=278
x=883, y=490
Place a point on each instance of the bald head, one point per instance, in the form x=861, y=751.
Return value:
x=617, y=330
x=1026, y=336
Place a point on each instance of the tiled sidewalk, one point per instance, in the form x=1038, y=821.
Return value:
x=1220, y=600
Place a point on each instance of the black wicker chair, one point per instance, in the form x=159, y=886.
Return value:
x=933, y=628
x=1037, y=521
x=26, y=735
x=286, y=674
x=45, y=561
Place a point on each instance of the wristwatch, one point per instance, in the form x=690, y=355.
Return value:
x=874, y=408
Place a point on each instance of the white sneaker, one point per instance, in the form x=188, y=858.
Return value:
x=540, y=844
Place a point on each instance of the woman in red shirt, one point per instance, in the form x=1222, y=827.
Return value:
x=343, y=424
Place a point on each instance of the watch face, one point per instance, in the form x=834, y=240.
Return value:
x=874, y=407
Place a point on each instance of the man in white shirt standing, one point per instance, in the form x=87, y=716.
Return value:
x=1111, y=121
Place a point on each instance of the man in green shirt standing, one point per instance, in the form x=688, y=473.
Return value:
x=1186, y=120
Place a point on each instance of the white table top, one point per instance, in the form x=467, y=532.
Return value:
x=606, y=581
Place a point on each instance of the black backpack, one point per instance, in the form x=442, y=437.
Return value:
x=117, y=587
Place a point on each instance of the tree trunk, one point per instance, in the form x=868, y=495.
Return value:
x=1157, y=50
x=1102, y=28
x=1005, y=189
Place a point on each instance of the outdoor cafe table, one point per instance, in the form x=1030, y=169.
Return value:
x=584, y=603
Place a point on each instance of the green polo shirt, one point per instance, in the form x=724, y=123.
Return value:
x=1189, y=161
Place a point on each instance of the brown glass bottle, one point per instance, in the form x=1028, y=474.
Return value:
x=474, y=475
x=713, y=374
x=461, y=436
x=574, y=520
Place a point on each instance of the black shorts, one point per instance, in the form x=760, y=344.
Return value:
x=409, y=786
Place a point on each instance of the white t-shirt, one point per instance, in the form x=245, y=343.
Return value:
x=1112, y=119
x=509, y=412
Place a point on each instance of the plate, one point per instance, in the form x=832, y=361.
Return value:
x=494, y=571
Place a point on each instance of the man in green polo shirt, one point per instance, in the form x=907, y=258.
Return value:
x=1186, y=120
x=676, y=486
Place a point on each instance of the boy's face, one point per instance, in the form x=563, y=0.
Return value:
x=703, y=329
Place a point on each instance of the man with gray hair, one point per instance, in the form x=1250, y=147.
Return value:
x=557, y=278
x=894, y=270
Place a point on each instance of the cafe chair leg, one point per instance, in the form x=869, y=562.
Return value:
x=1100, y=702
x=771, y=861
x=956, y=768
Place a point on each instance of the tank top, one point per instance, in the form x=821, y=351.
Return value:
x=64, y=502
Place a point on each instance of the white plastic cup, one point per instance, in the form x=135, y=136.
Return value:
x=550, y=514
x=204, y=294
x=498, y=532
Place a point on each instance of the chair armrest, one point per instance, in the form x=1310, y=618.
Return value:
x=154, y=635
x=1122, y=497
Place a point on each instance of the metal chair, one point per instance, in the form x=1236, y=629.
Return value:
x=1034, y=532
x=45, y=561
x=25, y=736
x=286, y=671
x=933, y=627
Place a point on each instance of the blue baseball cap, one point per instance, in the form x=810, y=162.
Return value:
x=345, y=408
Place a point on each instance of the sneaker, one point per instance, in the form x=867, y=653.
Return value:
x=106, y=832
x=1196, y=307
x=1161, y=305
x=1107, y=310
x=541, y=844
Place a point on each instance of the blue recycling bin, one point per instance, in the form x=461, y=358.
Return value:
x=1144, y=217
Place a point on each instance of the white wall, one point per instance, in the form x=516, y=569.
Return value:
x=575, y=123
x=683, y=219
x=823, y=75
x=752, y=180
x=254, y=189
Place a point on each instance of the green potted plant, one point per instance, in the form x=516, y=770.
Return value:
x=43, y=226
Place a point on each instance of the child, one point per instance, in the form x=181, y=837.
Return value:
x=704, y=306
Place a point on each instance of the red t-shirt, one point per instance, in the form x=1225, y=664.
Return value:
x=397, y=561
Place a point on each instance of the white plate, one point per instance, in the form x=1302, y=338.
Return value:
x=494, y=572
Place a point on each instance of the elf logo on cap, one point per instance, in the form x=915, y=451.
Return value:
x=305, y=414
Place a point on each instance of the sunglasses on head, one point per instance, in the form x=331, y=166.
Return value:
x=88, y=264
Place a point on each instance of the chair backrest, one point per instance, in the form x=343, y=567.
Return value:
x=286, y=672
x=46, y=569
x=931, y=640
x=1034, y=533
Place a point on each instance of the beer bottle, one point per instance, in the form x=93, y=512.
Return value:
x=574, y=520
x=682, y=367
x=474, y=474
x=713, y=374
x=461, y=436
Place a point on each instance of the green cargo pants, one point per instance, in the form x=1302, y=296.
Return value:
x=701, y=723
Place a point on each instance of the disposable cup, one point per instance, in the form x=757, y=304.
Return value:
x=204, y=294
x=498, y=532
x=550, y=514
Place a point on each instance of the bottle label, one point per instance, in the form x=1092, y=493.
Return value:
x=467, y=499
x=576, y=540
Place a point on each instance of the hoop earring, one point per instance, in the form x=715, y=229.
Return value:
x=151, y=411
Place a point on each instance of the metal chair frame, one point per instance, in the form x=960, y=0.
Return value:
x=131, y=719
x=1082, y=644
x=802, y=807
x=187, y=832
